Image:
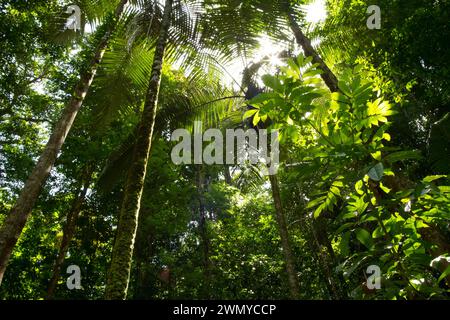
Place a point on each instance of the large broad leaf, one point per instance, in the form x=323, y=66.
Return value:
x=377, y=172
x=364, y=237
x=403, y=155
x=273, y=83
x=263, y=97
x=250, y=113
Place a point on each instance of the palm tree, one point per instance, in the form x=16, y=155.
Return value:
x=12, y=227
x=219, y=25
x=180, y=40
x=124, y=70
x=239, y=24
x=119, y=273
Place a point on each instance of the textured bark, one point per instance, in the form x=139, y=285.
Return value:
x=328, y=76
x=19, y=214
x=282, y=227
x=68, y=233
x=119, y=273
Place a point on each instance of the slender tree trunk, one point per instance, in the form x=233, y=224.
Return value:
x=434, y=236
x=68, y=233
x=203, y=230
x=227, y=174
x=119, y=273
x=18, y=216
x=328, y=76
x=285, y=243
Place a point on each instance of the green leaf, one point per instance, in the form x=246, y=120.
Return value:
x=376, y=155
x=293, y=65
x=319, y=210
x=384, y=188
x=344, y=244
x=315, y=202
x=364, y=237
x=430, y=179
x=263, y=97
x=345, y=88
x=344, y=227
x=256, y=119
x=273, y=83
x=312, y=73
x=377, y=233
x=358, y=187
x=402, y=155
x=301, y=60
x=377, y=172
x=444, y=274
x=250, y=113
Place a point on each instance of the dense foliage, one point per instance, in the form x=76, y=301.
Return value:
x=363, y=178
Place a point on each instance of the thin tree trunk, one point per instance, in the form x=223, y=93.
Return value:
x=119, y=273
x=68, y=233
x=227, y=174
x=287, y=251
x=18, y=216
x=328, y=76
x=434, y=236
x=203, y=230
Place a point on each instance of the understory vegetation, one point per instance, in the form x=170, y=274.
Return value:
x=358, y=208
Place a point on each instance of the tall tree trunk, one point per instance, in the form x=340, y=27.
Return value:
x=433, y=235
x=328, y=76
x=285, y=243
x=119, y=273
x=68, y=233
x=331, y=82
x=18, y=216
x=203, y=228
